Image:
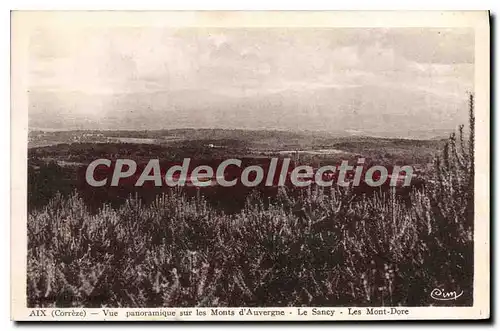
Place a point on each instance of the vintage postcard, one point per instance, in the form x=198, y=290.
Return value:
x=243, y=166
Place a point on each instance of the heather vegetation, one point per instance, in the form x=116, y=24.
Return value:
x=311, y=247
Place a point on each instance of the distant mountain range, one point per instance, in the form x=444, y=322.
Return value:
x=362, y=110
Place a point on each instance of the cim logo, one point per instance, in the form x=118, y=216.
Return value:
x=442, y=295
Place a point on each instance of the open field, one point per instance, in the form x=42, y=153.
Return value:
x=60, y=166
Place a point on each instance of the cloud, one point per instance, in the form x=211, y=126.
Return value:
x=118, y=71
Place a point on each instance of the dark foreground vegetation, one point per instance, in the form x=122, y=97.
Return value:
x=313, y=247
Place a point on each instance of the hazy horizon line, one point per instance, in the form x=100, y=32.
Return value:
x=439, y=133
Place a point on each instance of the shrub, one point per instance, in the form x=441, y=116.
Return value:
x=314, y=247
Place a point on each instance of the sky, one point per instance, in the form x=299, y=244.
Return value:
x=390, y=82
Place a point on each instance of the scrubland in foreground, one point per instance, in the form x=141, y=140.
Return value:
x=317, y=248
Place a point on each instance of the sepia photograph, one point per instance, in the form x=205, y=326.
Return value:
x=250, y=165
